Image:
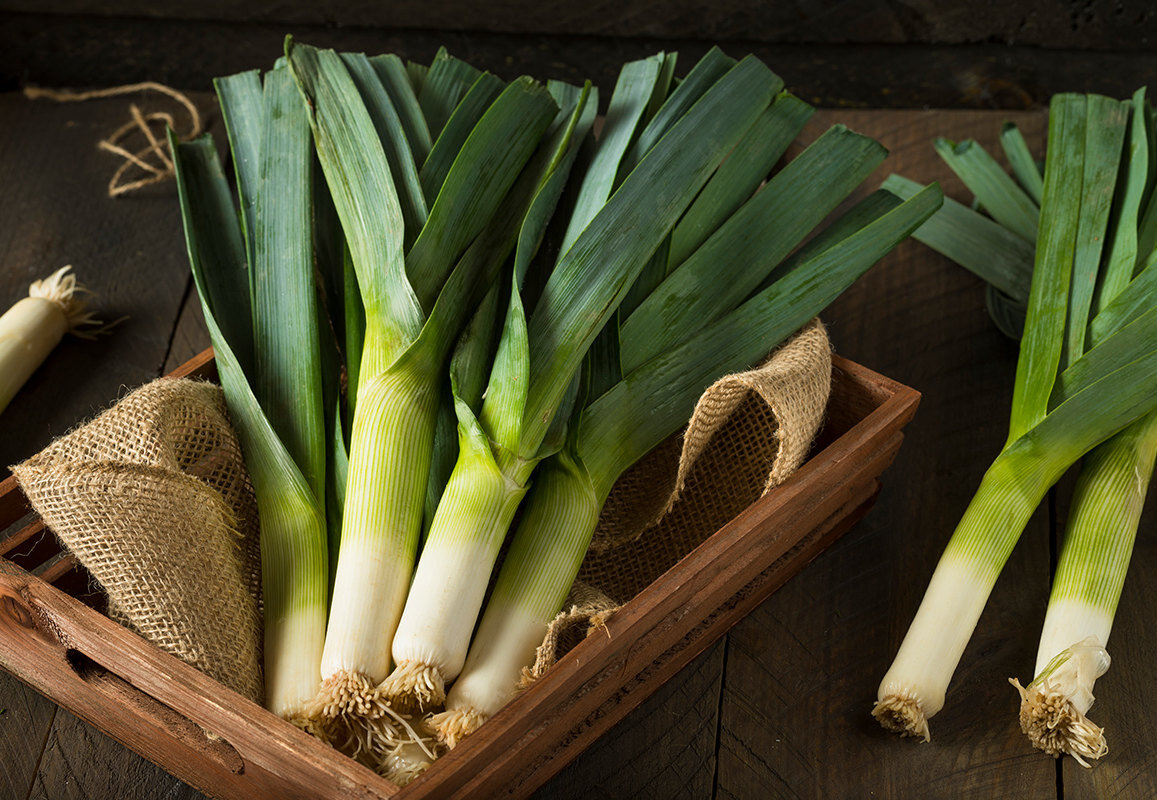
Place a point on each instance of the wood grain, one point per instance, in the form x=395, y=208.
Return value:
x=24, y=726
x=66, y=50
x=69, y=770
x=65, y=217
x=190, y=336
x=1055, y=23
x=664, y=750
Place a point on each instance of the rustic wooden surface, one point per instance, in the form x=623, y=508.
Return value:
x=1088, y=25
x=779, y=707
x=836, y=53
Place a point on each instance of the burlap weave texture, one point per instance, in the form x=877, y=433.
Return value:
x=749, y=433
x=153, y=499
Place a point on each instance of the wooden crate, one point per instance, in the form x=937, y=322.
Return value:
x=54, y=637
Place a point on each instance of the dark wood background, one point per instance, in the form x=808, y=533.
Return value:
x=780, y=706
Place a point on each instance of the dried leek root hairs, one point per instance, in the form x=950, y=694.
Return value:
x=1053, y=706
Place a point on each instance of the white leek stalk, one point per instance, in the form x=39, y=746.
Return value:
x=407, y=760
x=1053, y=706
x=254, y=273
x=482, y=492
x=35, y=325
x=531, y=587
x=914, y=687
x=293, y=553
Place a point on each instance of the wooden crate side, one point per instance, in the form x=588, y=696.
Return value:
x=21, y=536
x=151, y=702
x=201, y=366
x=13, y=503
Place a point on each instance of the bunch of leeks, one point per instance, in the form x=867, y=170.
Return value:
x=722, y=290
x=478, y=364
x=532, y=382
x=1086, y=375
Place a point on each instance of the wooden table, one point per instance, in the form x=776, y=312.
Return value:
x=777, y=708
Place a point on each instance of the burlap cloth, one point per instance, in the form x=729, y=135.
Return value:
x=153, y=499
x=749, y=432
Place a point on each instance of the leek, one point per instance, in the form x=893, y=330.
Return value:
x=1087, y=369
x=413, y=303
x=253, y=271
x=531, y=387
x=649, y=402
x=34, y=325
x=1106, y=510
x=294, y=571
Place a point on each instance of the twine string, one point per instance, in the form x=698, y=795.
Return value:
x=153, y=160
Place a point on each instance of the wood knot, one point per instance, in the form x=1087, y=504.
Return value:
x=17, y=612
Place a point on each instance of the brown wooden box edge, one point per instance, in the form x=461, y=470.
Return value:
x=229, y=747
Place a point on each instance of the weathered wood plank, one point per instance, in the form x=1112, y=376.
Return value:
x=81, y=763
x=55, y=212
x=190, y=336
x=1052, y=23
x=25, y=719
x=42, y=49
x=665, y=749
x=803, y=670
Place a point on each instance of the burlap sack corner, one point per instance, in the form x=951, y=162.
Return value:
x=153, y=498
x=749, y=432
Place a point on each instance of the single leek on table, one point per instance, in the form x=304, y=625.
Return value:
x=1087, y=369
